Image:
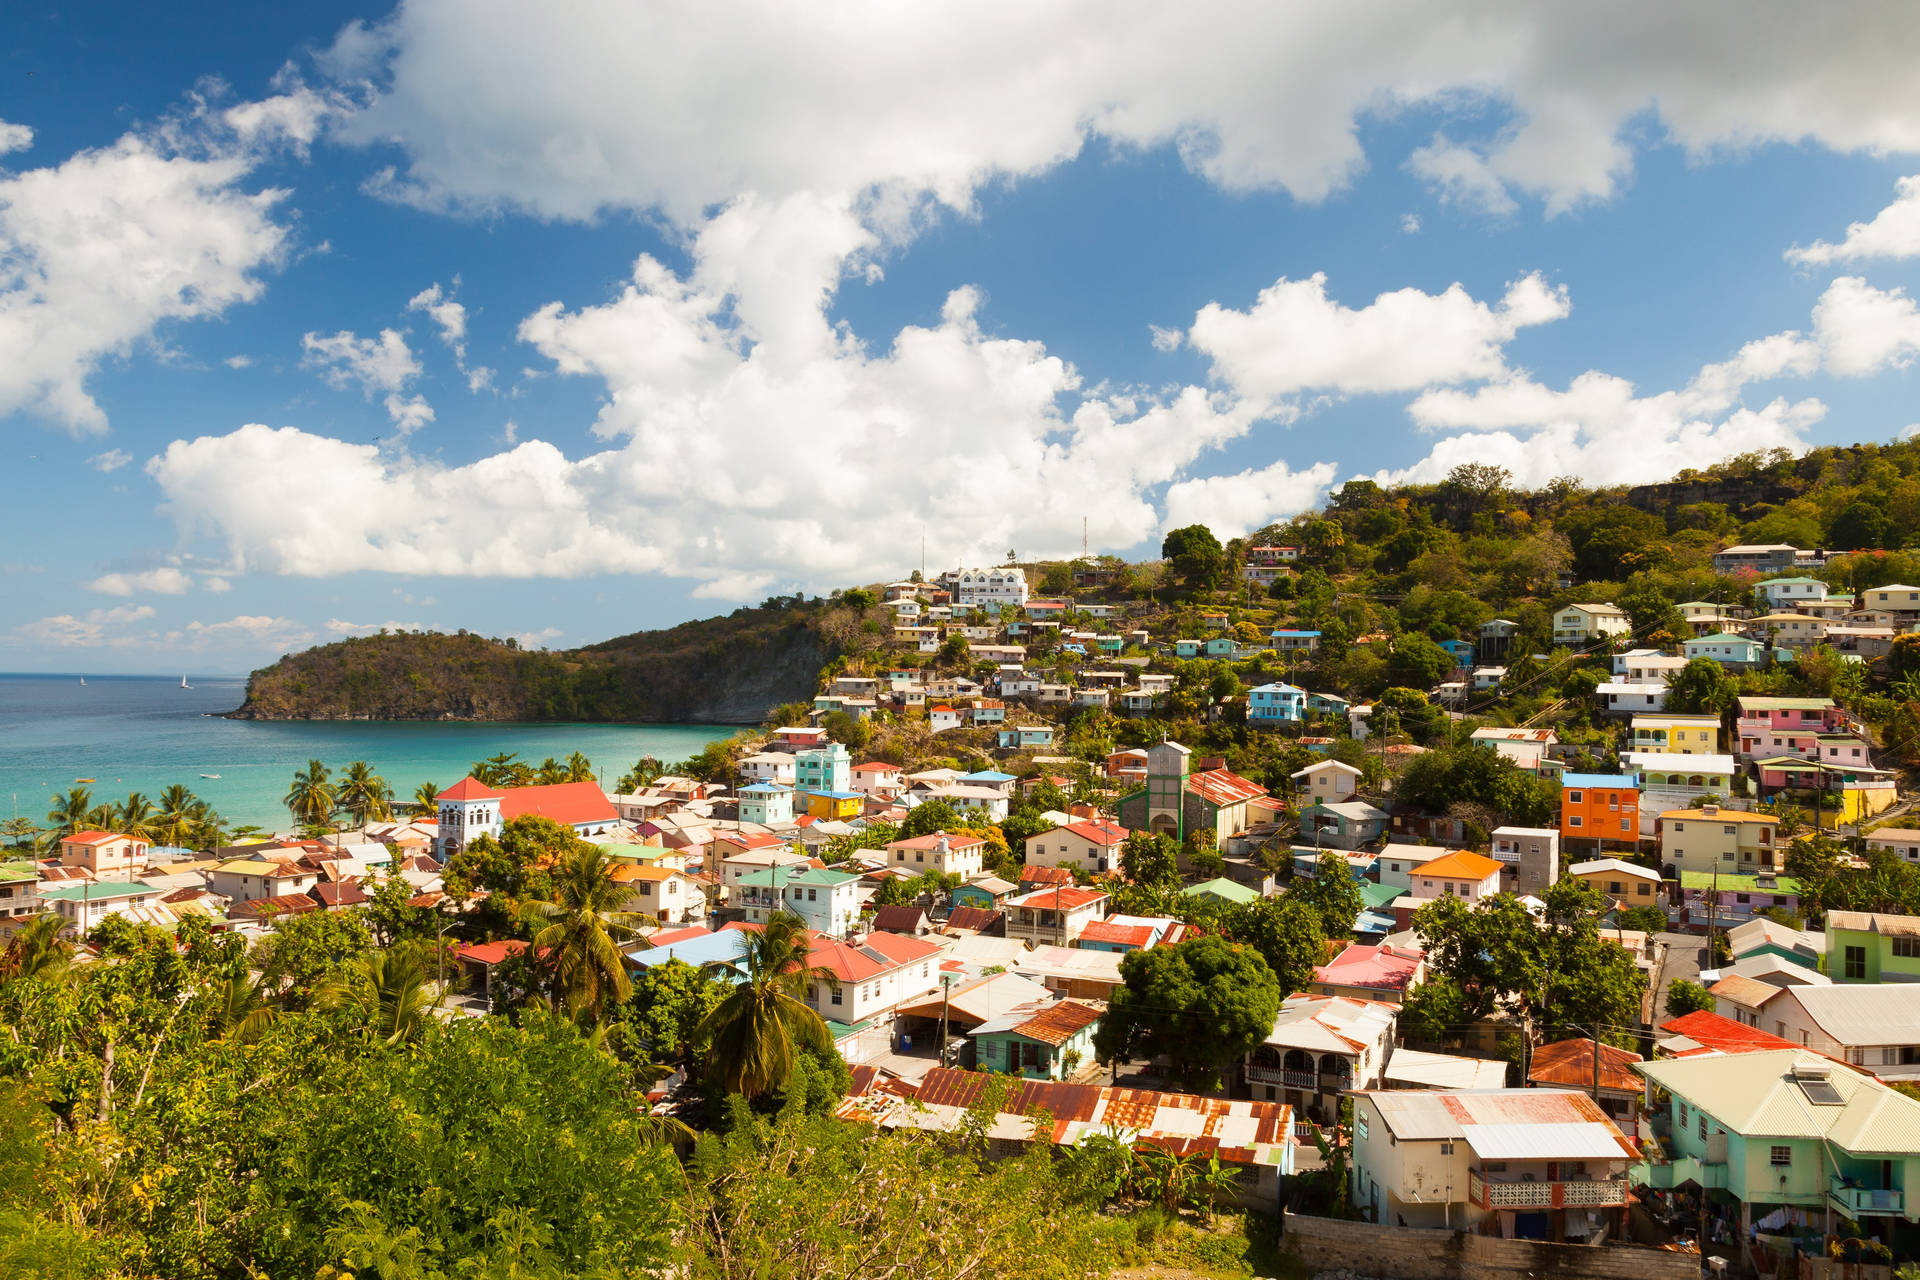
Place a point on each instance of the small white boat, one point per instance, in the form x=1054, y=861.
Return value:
x=210, y=775
x=83, y=682
x=184, y=684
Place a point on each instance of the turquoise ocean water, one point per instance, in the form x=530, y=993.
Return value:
x=139, y=733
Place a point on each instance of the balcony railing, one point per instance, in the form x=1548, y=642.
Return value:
x=1587, y=1193
x=1282, y=1076
x=1854, y=1201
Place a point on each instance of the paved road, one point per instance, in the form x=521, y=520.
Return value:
x=1682, y=955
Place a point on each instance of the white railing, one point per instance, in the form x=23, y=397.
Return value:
x=1282, y=1076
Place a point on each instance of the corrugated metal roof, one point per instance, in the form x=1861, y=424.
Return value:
x=1754, y=1094
x=1577, y=1141
x=1864, y=1014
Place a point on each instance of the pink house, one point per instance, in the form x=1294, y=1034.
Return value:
x=1383, y=972
x=1788, y=726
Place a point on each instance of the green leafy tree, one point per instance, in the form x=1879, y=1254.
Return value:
x=1418, y=662
x=68, y=816
x=1151, y=861
x=1195, y=555
x=643, y=773
x=1331, y=894
x=763, y=1027
x=1702, y=687
x=38, y=949
x=1685, y=997
x=1287, y=933
x=1204, y=1004
x=516, y=867
x=928, y=817
x=301, y=952
x=669, y=1003
x=426, y=800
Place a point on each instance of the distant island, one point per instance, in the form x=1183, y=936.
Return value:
x=725, y=670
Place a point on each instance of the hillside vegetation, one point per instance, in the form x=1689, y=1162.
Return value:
x=726, y=670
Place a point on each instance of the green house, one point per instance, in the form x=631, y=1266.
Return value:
x=1869, y=946
x=1789, y=1128
x=1035, y=1039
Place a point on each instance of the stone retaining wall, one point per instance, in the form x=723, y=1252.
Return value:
x=1409, y=1253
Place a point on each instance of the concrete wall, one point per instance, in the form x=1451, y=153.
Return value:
x=1411, y=1254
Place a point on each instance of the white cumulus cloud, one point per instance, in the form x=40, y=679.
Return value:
x=382, y=364
x=1894, y=232
x=1295, y=338
x=14, y=137
x=110, y=461
x=165, y=581
x=95, y=627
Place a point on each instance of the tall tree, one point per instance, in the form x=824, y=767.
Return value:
x=1332, y=894
x=578, y=933
x=426, y=800
x=312, y=799
x=1702, y=687
x=1287, y=933
x=1196, y=555
x=38, y=949
x=68, y=816
x=177, y=812
x=136, y=817
x=757, y=1034
x=579, y=768
x=1204, y=1004
x=365, y=794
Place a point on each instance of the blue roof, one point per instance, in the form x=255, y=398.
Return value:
x=988, y=775
x=1373, y=922
x=1285, y=632
x=765, y=788
x=728, y=945
x=838, y=795
x=1599, y=780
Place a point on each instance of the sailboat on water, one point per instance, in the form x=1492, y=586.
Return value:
x=184, y=684
x=83, y=682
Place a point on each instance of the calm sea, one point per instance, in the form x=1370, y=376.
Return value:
x=140, y=733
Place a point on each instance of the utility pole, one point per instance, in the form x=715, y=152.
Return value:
x=946, y=984
x=1596, y=1065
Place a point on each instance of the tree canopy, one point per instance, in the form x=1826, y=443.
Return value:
x=1204, y=1004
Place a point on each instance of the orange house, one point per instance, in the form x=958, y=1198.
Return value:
x=1600, y=807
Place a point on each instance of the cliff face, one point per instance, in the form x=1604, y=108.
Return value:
x=731, y=670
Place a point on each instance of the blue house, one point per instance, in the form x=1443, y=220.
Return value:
x=1727, y=649
x=1026, y=735
x=1461, y=650
x=1276, y=704
x=1187, y=648
x=1219, y=647
x=1291, y=641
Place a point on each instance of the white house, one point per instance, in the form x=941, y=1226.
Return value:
x=955, y=855
x=1326, y=781
x=768, y=804
x=878, y=778
x=1005, y=586
x=828, y=901
x=875, y=974
x=1319, y=1048
x=1783, y=593
x=1397, y=864
x=1462, y=874
x=1583, y=623
x=1093, y=846
x=943, y=718
x=1620, y=698
x=768, y=766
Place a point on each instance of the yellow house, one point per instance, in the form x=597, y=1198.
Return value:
x=1733, y=841
x=831, y=806
x=1677, y=734
x=1627, y=884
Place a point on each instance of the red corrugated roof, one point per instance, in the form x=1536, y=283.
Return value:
x=1126, y=935
x=1223, y=787
x=93, y=837
x=1065, y=897
x=490, y=952
x=1099, y=832
x=1715, y=1033
x=975, y=918
x=1045, y=875
x=568, y=803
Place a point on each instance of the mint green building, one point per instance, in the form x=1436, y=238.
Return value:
x=1869, y=946
x=1035, y=1040
x=1788, y=1128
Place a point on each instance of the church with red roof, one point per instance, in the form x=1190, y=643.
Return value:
x=470, y=809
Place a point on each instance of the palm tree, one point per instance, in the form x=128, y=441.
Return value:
x=178, y=810
x=241, y=1008
x=758, y=1031
x=365, y=794
x=137, y=817
x=37, y=950
x=505, y=769
x=549, y=772
x=644, y=771
x=313, y=797
x=68, y=816
x=578, y=932
x=388, y=989
x=426, y=799
x=579, y=768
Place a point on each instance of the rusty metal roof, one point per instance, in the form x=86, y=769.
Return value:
x=1570, y=1062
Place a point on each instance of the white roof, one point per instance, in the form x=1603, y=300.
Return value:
x=1575, y=1140
x=1330, y=1024
x=1678, y=762
x=1356, y=810
x=1444, y=1070
x=1414, y=852
x=1525, y=831
x=1863, y=1013
x=1614, y=865
x=1520, y=1124
x=1324, y=765
x=1756, y=1095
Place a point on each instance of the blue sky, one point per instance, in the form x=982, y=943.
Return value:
x=315, y=319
